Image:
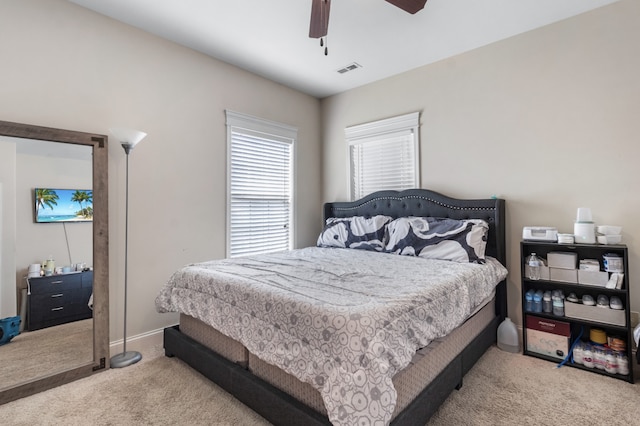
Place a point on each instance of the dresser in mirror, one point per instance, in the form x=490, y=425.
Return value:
x=54, y=214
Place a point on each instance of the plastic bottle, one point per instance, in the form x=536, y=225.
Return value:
x=534, y=267
x=508, y=336
x=587, y=356
x=599, y=357
x=558, y=303
x=528, y=297
x=547, y=306
x=578, y=353
x=623, y=364
x=537, y=301
x=611, y=362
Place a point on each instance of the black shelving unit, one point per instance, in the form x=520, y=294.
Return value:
x=578, y=325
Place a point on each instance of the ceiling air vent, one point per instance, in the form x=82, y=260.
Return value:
x=352, y=66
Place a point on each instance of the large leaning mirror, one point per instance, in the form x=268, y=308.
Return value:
x=53, y=257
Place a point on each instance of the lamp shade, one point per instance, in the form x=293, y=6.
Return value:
x=127, y=137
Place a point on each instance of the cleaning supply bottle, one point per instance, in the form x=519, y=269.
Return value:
x=508, y=336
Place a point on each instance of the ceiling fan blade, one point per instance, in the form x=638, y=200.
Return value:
x=319, y=18
x=411, y=6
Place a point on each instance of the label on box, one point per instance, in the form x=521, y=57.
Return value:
x=560, y=328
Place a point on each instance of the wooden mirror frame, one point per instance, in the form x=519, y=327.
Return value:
x=100, y=255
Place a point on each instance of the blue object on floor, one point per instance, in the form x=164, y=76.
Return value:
x=9, y=328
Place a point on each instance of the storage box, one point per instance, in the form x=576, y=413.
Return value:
x=597, y=278
x=548, y=337
x=563, y=260
x=563, y=275
x=594, y=313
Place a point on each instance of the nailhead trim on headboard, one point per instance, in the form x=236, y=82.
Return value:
x=415, y=197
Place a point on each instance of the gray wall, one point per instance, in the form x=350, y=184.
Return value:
x=8, y=300
x=67, y=67
x=547, y=120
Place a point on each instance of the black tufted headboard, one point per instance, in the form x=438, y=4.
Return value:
x=426, y=203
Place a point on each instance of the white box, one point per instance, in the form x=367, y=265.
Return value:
x=563, y=260
x=589, y=265
x=563, y=275
x=548, y=337
x=594, y=313
x=597, y=278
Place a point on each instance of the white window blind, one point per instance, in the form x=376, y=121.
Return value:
x=384, y=155
x=260, y=185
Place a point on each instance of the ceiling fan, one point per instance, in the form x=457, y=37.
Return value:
x=320, y=15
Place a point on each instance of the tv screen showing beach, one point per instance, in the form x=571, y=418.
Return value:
x=63, y=205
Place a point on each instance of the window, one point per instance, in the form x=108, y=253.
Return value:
x=260, y=193
x=384, y=155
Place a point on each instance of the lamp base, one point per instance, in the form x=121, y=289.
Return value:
x=125, y=359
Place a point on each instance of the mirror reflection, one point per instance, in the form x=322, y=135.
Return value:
x=51, y=289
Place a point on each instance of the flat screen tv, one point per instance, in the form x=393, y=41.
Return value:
x=54, y=205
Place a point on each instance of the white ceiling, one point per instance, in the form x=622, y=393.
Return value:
x=270, y=37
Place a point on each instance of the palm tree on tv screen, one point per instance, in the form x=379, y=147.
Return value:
x=45, y=197
x=83, y=197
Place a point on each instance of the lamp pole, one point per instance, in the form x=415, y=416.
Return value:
x=129, y=140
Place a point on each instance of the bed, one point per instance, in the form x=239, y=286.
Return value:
x=350, y=334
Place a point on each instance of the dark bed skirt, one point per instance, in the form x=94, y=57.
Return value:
x=280, y=408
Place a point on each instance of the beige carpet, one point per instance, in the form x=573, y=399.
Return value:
x=33, y=354
x=502, y=389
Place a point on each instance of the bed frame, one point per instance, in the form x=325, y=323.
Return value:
x=280, y=408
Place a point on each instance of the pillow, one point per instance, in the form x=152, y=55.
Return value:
x=357, y=232
x=438, y=238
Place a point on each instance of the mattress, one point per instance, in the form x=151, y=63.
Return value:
x=344, y=321
x=425, y=365
x=214, y=340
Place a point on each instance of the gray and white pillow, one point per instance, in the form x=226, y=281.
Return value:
x=357, y=232
x=438, y=238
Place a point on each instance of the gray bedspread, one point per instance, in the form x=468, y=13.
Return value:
x=345, y=321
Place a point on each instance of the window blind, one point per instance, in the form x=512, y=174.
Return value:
x=260, y=192
x=383, y=155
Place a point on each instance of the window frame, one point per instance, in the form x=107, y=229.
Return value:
x=274, y=131
x=381, y=129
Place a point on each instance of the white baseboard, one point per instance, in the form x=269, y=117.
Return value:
x=145, y=342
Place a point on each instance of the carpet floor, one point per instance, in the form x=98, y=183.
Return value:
x=46, y=351
x=502, y=389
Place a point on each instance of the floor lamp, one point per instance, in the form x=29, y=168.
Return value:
x=128, y=139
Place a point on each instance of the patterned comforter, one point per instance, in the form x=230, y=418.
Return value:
x=345, y=321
